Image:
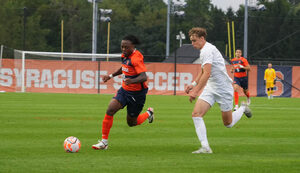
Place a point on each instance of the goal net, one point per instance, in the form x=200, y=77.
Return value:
x=34, y=71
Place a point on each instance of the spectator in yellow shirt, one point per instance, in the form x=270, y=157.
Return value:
x=270, y=80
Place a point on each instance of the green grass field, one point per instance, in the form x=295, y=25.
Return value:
x=33, y=127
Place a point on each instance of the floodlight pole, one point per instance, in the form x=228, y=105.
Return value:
x=24, y=27
x=108, y=35
x=95, y=25
x=176, y=14
x=1, y=56
x=175, y=56
x=246, y=30
x=168, y=30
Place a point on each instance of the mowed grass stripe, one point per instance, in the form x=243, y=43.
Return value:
x=34, y=126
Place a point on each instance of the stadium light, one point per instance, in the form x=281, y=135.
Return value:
x=260, y=7
x=179, y=13
x=95, y=25
x=97, y=1
x=106, y=11
x=108, y=20
x=180, y=37
x=171, y=11
x=176, y=14
x=105, y=19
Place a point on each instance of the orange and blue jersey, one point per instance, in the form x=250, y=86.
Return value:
x=132, y=66
x=238, y=71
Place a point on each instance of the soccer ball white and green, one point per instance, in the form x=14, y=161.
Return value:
x=72, y=144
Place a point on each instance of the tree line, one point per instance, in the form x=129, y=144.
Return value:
x=274, y=34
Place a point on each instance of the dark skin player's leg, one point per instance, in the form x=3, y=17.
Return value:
x=113, y=107
x=134, y=109
x=245, y=91
x=131, y=121
x=236, y=87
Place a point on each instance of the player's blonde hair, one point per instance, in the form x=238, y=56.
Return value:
x=198, y=31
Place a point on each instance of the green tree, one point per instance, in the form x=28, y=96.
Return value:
x=12, y=25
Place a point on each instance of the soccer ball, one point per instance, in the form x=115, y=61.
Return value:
x=72, y=144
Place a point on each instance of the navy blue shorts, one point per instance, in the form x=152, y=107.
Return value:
x=242, y=82
x=134, y=100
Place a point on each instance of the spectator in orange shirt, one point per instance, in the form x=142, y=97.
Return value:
x=240, y=68
x=132, y=93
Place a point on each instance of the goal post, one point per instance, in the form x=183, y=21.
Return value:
x=1, y=55
x=21, y=63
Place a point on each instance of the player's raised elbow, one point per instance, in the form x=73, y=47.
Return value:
x=248, y=68
x=143, y=77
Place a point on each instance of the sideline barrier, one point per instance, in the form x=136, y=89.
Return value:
x=53, y=76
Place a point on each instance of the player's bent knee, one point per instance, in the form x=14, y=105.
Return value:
x=110, y=112
x=196, y=114
x=131, y=124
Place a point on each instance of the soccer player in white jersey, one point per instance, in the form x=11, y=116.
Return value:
x=216, y=85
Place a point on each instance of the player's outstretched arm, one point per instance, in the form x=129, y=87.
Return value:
x=107, y=77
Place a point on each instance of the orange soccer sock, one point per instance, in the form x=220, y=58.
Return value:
x=142, y=117
x=106, y=125
x=248, y=94
x=236, y=98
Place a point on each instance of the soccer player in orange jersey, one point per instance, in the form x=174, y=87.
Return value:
x=270, y=80
x=240, y=69
x=132, y=93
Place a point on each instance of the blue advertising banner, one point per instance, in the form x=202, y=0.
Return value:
x=282, y=87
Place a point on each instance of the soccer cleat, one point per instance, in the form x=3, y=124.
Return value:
x=248, y=101
x=100, y=146
x=151, y=114
x=203, y=150
x=236, y=107
x=247, y=111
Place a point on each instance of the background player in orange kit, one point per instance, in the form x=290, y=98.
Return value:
x=240, y=69
x=132, y=93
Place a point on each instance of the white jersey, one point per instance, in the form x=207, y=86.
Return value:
x=209, y=54
x=219, y=85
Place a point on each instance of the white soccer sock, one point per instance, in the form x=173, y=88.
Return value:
x=236, y=116
x=201, y=131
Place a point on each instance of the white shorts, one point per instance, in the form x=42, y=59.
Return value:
x=223, y=96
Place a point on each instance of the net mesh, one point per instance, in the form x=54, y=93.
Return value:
x=22, y=62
